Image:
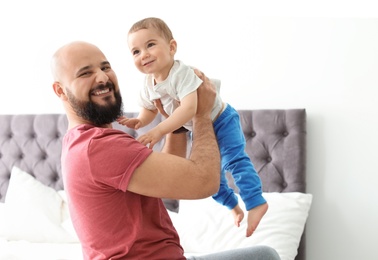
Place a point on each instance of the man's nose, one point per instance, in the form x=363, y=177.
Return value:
x=101, y=77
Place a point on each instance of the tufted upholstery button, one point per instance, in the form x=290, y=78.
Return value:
x=21, y=156
x=54, y=177
x=269, y=159
x=285, y=133
x=253, y=134
x=33, y=135
x=10, y=136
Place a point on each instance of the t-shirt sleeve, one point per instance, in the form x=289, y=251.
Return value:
x=114, y=156
x=144, y=99
x=186, y=81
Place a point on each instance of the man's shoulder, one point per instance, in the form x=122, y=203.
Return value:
x=88, y=133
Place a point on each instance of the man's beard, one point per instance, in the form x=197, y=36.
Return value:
x=98, y=115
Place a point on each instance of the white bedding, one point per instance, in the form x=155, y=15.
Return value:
x=35, y=224
x=205, y=226
x=25, y=250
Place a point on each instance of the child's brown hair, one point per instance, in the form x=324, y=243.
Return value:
x=153, y=22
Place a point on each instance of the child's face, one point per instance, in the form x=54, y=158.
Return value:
x=152, y=53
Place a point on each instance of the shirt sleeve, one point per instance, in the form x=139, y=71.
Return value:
x=114, y=156
x=185, y=81
x=144, y=99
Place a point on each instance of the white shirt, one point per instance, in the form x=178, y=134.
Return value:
x=180, y=82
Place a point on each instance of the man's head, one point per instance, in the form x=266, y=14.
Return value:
x=86, y=83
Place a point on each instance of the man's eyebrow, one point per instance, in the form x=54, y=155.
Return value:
x=82, y=69
x=105, y=63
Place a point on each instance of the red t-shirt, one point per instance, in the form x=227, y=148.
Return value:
x=111, y=222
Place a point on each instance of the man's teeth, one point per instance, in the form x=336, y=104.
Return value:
x=101, y=92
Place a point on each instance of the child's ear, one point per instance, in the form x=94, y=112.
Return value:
x=173, y=46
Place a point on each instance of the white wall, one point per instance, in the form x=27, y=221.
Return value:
x=321, y=57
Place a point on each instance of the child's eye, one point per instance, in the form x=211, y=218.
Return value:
x=135, y=52
x=150, y=44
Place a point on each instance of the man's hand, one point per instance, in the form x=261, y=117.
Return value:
x=206, y=96
x=159, y=106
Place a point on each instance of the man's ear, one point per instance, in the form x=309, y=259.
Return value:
x=173, y=46
x=59, y=91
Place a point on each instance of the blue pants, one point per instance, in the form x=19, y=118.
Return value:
x=231, y=142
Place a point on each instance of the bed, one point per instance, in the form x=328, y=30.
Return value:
x=34, y=218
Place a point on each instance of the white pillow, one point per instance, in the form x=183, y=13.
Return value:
x=204, y=226
x=32, y=211
x=2, y=217
x=66, y=217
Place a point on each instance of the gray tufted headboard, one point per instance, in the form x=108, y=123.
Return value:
x=276, y=143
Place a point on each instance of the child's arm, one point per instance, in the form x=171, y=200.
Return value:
x=144, y=118
x=183, y=114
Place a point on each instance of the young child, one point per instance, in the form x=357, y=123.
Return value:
x=173, y=83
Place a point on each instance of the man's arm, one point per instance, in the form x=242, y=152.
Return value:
x=168, y=176
x=176, y=144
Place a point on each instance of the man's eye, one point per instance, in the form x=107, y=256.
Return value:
x=105, y=68
x=84, y=74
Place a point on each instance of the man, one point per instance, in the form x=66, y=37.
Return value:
x=114, y=183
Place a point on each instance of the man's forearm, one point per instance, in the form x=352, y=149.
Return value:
x=176, y=143
x=205, y=150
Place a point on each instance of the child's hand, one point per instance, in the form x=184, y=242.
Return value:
x=151, y=137
x=129, y=122
x=254, y=217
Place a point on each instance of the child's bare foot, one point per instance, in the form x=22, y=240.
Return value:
x=254, y=217
x=238, y=215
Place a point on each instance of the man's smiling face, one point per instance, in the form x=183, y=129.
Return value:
x=89, y=83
